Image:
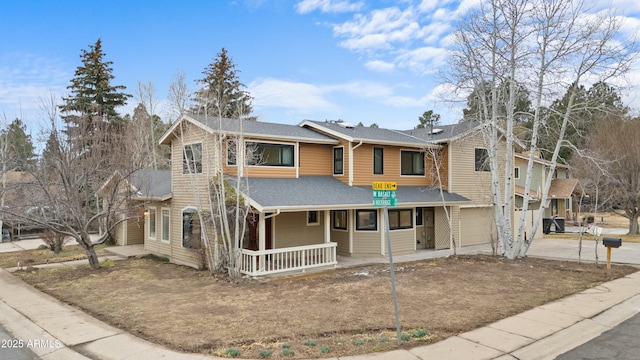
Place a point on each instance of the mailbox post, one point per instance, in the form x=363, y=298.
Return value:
x=611, y=243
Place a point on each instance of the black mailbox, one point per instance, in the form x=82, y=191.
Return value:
x=612, y=242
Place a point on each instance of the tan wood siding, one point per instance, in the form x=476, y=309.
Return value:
x=135, y=231
x=477, y=226
x=402, y=242
x=465, y=181
x=291, y=229
x=316, y=159
x=188, y=190
x=366, y=243
x=270, y=171
x=342, y=240
x=363, y=167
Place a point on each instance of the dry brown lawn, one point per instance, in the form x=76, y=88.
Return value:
x=45, y=256
x=330, y=313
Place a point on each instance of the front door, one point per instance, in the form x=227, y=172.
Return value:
x=252, y=224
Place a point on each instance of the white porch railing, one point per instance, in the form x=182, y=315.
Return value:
x=259, y=263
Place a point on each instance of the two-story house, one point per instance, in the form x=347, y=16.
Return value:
x=564, y=191
x=309, y=188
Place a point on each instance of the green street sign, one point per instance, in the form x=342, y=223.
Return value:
x=383, y=198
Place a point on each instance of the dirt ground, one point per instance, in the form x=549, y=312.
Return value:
x=330, y=313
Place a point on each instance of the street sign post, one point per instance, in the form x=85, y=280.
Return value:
x=384, y=195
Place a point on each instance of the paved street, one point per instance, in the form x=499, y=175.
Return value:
x=619, y=343
x=12, y=348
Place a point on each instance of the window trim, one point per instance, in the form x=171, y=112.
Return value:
x=197, y=164
x=262, y=164
x=481, y=164
x=381, y=171
x=400, y=227
x=341, y=148
x=375, y=224
x=317, y=222
x=421, y=153
x=346, y=220
x=168, y=210
x=154, y=222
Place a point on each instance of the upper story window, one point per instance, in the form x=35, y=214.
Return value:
x=338, y=160
x=192, y=158
x=482, y=160
x=232, y=152
x=411, y=162
x=270, y=154
x=378, y=160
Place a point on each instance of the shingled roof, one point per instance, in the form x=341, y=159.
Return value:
x=326, y=192
x=251, y=128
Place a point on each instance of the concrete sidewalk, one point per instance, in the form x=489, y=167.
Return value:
x=59, y=331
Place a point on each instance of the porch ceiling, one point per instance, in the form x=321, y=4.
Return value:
x=325, y=192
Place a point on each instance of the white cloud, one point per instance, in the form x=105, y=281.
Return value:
x=328, y=6
x=291, y=95
x=380, y=66
x=26, y=81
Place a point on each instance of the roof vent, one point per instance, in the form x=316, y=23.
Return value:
x=436, y=131
x=345, y=124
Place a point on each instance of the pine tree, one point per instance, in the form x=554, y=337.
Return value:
x=222, y=93
x=19, y=146
x=92, y=102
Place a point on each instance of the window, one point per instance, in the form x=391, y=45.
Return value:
x=482, y=160
x=418, y=216
x=190, y=229
x=338, y=161
x=367, y=220
x=412, y=163
x=231, y=152
x=378, y=160
x=339, y=219
x=152, y=223
x=269, y=154
x=400, y=219
x=165, y=224
x=312, y=218
x=516, y=173
x=192, y=159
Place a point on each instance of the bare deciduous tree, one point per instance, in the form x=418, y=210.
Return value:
x=548, y=47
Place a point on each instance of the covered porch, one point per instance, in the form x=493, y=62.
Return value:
x=308, y=222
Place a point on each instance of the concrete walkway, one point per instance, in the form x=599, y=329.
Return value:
x=58, y=331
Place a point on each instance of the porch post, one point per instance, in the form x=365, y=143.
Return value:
x=261, y=239
x=327, y=226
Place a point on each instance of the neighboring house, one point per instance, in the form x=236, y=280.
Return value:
x=17, y=189
x=564, y=191
x=141, y=187
x=310, y=191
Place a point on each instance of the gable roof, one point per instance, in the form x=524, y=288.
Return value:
x=152, y=184
x=379, y=136
x=447, y=133
x=249, y=128
x=563, y=188
x=326, y=192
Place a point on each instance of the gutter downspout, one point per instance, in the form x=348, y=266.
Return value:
x=351, y=148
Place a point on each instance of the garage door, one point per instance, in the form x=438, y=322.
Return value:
x=476, y=225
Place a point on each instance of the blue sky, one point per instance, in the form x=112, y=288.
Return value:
x=360, y=61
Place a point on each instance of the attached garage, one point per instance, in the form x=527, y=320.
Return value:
x=477, y=225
